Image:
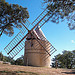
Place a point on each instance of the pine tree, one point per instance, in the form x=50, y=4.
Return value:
x=11, y=15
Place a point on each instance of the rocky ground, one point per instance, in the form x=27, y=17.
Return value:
x=28, y=70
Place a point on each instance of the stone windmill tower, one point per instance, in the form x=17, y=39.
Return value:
x=37, y=48
x=35, y=54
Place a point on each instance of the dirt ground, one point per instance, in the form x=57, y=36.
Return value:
x=28, y=70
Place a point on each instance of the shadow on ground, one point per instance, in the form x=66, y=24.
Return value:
x=72, y=72
x=17, y=72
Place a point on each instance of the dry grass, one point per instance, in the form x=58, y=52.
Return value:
x=27, y=70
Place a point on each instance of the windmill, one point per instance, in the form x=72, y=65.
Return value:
x=37, y=48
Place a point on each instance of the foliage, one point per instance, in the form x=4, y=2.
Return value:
x=11, y=15
x=60, y=10
x=8, y=59
x=65, y=60
x=20, y=61
x=1, y=56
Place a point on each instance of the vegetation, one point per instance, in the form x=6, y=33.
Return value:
x=11, y=15
x=18, y=61
x=1, y=56
x=60, y=10
x=65, y=60
x=6, y=59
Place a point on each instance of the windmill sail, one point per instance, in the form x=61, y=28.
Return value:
x=42, y=37
x=41, y=19
x=17, y=44
x=23, y=25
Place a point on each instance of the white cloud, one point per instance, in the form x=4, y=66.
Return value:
x=72, y=41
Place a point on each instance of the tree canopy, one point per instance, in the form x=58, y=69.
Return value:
x=19, y=61
x=65, y=60
x=60, y=10
x=11, y=15
x=1, y=56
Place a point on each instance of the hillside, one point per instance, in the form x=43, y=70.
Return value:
x=28, y=70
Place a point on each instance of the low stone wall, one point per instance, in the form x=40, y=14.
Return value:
x=7, y=63
x=1, y=62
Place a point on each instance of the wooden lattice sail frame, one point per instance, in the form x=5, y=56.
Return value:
x=18, y=42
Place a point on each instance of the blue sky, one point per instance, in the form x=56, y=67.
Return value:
x=58, y=35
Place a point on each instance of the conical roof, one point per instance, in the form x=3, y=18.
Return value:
x=38, y=34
